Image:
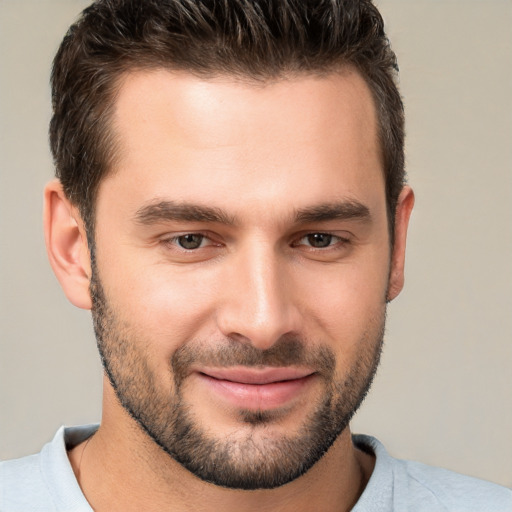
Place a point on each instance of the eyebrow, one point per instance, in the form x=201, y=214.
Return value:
x=164, y=211
x=343, y=210
x=182, y=212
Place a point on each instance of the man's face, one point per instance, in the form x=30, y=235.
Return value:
x=242, y=262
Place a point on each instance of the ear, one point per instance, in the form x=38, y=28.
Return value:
x=66, y=245
x=402, y=216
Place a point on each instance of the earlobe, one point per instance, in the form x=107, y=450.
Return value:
x=403, y=213
x=66, y=245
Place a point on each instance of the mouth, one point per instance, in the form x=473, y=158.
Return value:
x=256, y=388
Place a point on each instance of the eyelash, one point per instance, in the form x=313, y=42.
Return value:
x=338, y=241
x=174, y=241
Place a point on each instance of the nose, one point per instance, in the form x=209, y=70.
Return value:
x=259, y=305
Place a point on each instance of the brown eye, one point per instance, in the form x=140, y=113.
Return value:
x=319, y=240
x=190, y=241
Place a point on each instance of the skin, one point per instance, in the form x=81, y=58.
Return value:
x=260, y=153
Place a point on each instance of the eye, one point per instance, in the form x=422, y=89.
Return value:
x=321, y=240
x=190, y=241
x=190, y=247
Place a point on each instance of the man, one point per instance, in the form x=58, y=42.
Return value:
x=231, y=206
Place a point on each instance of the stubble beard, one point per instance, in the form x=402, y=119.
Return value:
x=249, y=458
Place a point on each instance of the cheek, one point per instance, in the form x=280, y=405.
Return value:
x=345, y=301
x=165, y=305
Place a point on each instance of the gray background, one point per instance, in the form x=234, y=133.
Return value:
x=443, y=394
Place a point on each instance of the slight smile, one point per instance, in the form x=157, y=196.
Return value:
x=257, y=388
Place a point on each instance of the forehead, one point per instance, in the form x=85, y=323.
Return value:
x=227, y=141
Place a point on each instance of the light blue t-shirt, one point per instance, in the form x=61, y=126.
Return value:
x=46, y=483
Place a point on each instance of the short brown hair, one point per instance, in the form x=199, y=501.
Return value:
x=256, y=39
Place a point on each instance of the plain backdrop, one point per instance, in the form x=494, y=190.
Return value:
x=443, y=394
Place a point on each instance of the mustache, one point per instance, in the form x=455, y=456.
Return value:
x=287, y=351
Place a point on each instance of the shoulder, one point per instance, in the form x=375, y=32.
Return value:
x=454, y=491
x=418, y=487
x=44, y=482
x=21, y=481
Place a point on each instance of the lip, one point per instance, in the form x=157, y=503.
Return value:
x=256, y=388
x=267, y=375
